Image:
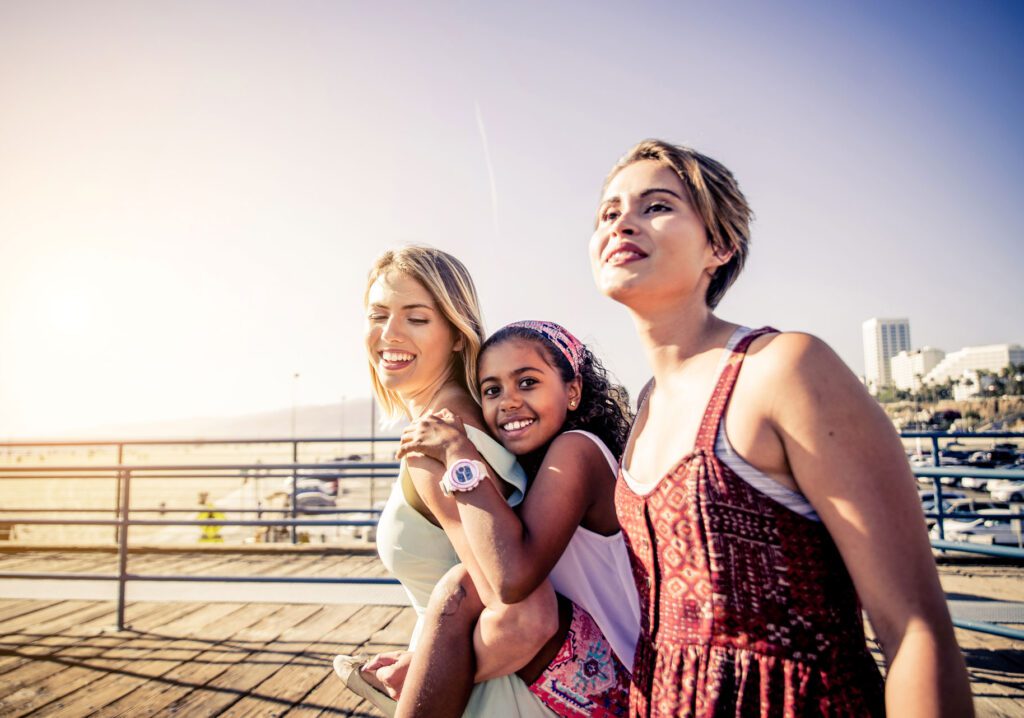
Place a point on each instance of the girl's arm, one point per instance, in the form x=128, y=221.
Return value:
x=516, y=553
x=849, y=462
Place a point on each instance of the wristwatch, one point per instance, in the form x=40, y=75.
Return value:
x=463, y=475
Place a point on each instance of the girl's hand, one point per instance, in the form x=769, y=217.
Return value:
x=433, y=435
x=387, y=671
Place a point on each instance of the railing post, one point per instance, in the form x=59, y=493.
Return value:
x=373, y=451
x=938, y=508
x=937, y=462
x=122, y=546
x=295, y=490
x=117, y=495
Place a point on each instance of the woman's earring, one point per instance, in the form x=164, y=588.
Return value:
x=572, y=404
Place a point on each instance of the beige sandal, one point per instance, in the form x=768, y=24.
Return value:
x=347, y=669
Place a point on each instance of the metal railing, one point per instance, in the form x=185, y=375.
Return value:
x=126, y=516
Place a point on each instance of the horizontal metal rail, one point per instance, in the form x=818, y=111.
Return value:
x=226, y=510
x=979, y=548
x=238, y=468
x=991, y=628
x=191, y=578
x=960, y=472
x=201, y=522
x=127, y=517
x=205, y=442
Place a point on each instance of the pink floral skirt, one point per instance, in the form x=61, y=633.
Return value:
x=585, y=679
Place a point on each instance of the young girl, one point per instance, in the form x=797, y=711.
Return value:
x=548, y=401
x=757, y=506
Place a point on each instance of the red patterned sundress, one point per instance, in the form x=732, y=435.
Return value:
x=747, y=607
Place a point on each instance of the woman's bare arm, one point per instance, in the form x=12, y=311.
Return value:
x=849, y=462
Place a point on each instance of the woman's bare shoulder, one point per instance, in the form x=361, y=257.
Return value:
x=463, y=406
x=792, y=354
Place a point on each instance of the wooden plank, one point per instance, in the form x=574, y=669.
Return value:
x=364, y=623
x=44, y=561
x=250, y=670
x=37, y=620
x=15, y=607
x=255, y=678
x=398, y=631
x=154, y=697
x=331, y=698
x=314, y=648
x=76, y=666
x=149, y=660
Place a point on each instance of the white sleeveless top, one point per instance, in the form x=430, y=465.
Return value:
x=594, y=573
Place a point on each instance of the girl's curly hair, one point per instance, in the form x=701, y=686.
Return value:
x=604, y=406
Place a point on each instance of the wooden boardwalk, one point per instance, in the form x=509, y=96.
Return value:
x=63, y=656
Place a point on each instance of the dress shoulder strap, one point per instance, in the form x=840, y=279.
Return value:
x=627, y=448
x=723, y=390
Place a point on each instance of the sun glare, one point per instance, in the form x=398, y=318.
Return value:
x=69, y=314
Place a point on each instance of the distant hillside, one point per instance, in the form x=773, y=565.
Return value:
x=321, y=420
x=1006, y=413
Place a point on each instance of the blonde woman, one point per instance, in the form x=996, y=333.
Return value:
x=423, y=337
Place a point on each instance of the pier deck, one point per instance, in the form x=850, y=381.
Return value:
x=62, y=655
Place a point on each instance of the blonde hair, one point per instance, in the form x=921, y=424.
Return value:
x=716, y=197
x=448, y=282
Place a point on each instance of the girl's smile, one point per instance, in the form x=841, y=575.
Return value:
x=524, y=398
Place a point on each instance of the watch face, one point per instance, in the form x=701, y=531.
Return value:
x=463, y=474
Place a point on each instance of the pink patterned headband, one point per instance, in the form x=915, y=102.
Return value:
x=564, y=341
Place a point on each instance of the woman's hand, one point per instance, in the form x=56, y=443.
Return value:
x=434, y=435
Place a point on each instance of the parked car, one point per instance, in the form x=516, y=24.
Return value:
x=991, y=459
x=998, y=531
x=975, y=505
x=312, y=484
x=928, y=497
x=925, y=460
x=1013, y=491
x=974, y=482
x=969, y=505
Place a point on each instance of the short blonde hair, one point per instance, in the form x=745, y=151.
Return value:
x=448, y=282
x=716, y=197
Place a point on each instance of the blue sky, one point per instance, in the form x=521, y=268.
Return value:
x=191, y=193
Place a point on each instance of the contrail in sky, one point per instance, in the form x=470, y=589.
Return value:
x=490, y=168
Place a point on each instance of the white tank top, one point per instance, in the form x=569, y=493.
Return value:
x=594, y=573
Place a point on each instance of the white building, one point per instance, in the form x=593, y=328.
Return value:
x=991, y=358
x=908, y=368
x=883, y=339
x=971, y=385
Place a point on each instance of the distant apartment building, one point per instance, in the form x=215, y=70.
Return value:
x=991, y=358
x=972, y=383
x=883, y=339
x=908, y=368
